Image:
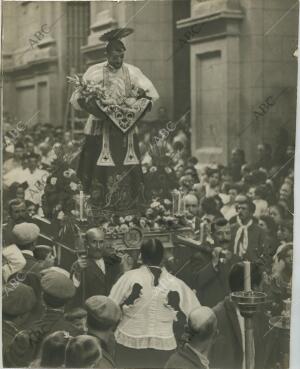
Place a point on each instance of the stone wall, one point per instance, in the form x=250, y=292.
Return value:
x=268, y=68
x=241, y=58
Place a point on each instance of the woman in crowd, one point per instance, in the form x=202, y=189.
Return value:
x=150, y=298
x=278, y=213
x=52, y=353
x=83, y=352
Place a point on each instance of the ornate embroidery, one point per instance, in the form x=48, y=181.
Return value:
x=105, y=158
x=131, y=158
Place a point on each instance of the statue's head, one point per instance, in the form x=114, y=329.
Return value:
x=115, y=51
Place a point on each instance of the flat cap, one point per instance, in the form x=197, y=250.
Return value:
x=103, y=309
x=17, y=299
x=25, y=233
x=76, y=313
x=45, y=248
x=56, y=269
x=57, y=284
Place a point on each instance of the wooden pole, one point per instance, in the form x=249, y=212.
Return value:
x=249, y=344
x=249, y=335
x=83, y=285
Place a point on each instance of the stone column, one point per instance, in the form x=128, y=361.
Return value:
x=213, y=33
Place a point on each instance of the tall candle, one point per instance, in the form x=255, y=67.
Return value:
x=247, y=276
x=173, y=203
x=81, y=205
x=201, y=232
x=179, y=202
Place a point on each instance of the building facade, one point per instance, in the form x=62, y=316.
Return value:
x=230, y=62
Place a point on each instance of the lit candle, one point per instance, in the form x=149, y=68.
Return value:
x=174, y=202
x=81, y=205
x=247, y=276
x=201, y=232
x=179, y=202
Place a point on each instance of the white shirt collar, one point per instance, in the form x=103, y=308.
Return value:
x=101, y=264
x=27, y=252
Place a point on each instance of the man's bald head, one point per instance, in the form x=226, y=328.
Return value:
x=95, y=233
x=95, y=242
x=202, y=322
x=191, y=204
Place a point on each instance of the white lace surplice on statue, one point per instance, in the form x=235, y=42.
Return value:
x=116, y=85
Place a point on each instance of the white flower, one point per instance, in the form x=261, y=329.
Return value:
x=167, y=202
x=128, y=218
x=144, y=170
x=122, y=220
x=168, y=170
x=153, y=169
x=73, y=186
x=75, y=212
x=60, y=215
x=53, y=181
x=124, y=228
x=68, y=173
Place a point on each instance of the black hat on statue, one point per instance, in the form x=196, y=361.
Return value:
x=113, y=38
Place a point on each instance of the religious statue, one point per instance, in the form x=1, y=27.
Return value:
x=117, y=95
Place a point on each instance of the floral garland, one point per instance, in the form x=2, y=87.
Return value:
x=158, y=217
x=109, y=97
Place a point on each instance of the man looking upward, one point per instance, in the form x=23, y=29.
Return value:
x=95, y=272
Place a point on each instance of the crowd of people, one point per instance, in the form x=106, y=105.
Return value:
x=157, y=311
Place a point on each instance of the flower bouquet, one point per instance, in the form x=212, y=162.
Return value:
x=123, y=110
x=61, y=187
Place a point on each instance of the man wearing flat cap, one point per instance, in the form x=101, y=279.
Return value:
x=102, y=319
x=57, y=289
x=18, y=302
x=25, y=236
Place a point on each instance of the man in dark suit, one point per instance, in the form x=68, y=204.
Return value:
x=191, y=203
x=207, y=271
x=228, y=350
x=103, y=316
x=200, y=334
x=95, y=272
x=249, y=240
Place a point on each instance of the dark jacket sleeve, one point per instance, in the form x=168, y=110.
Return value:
x=204, y=275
